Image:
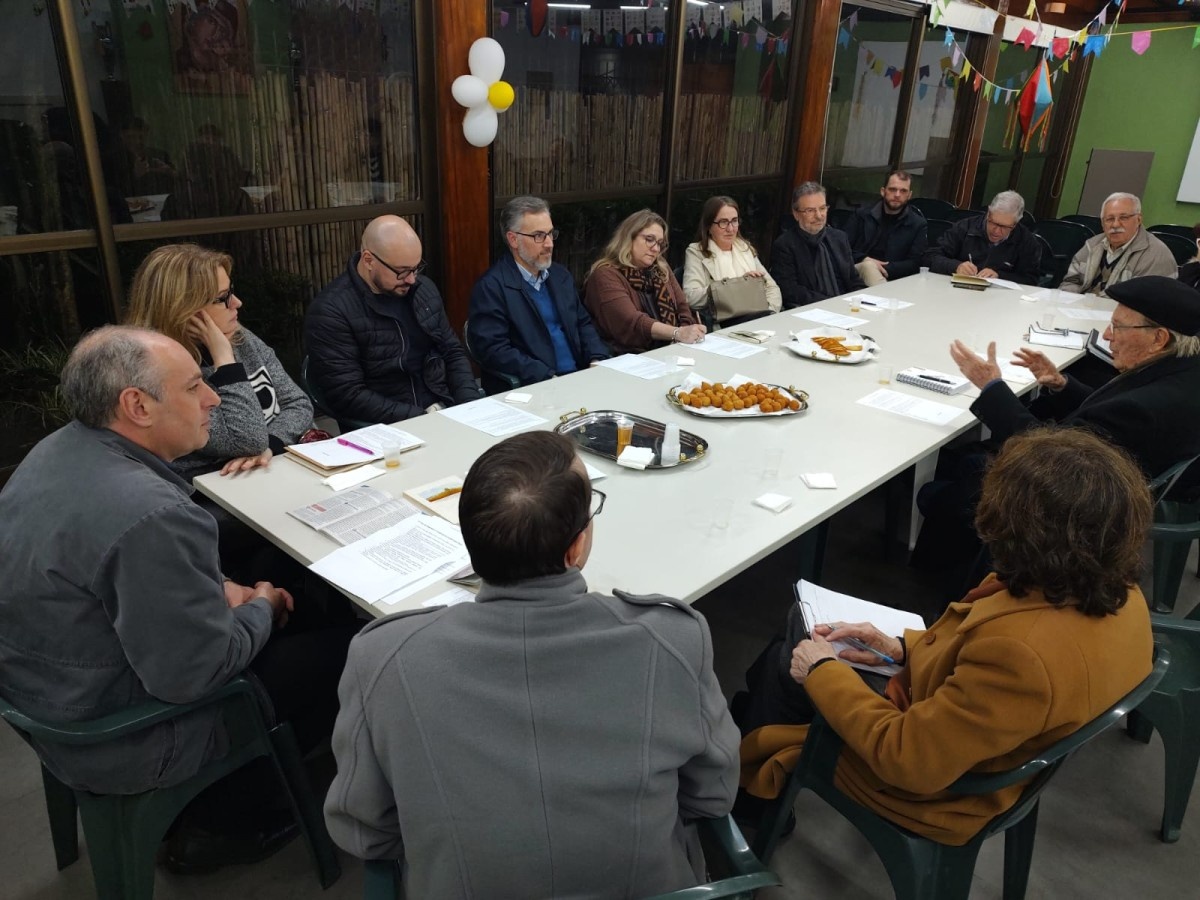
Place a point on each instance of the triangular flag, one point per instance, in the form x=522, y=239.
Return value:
x=1032, y=8
x=1024, y=39
x=966, y=69
x=852, y=22
x=1059, y=47
x=947, y=63
x=936, y=15
x=996, y=97
x=897, y=77
x=949, y=37
x=843, y=38
x=922, y=90
x=1103, y=17
x=1094, y=45
x=1066, y=66
x=978, y=81
x=957, y=56
x=987, y=90
x=923, y=72
x=1141, y=42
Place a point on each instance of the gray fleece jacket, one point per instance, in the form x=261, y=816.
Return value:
x=260, y=407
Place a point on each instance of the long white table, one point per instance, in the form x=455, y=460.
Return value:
x=657, y=531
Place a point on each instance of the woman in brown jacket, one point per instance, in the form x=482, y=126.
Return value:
x=1056, y=635
x=633, y=297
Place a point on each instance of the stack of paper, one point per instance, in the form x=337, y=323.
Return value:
x=821, y=606
x=354, y=448
x=353, y=515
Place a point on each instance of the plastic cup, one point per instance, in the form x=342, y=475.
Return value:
x=722, y=507
x=924, y=271
x=855, y=305
x=772, y=460
x=1048, y=320
x=391, y=455
x=624, y=434
x=885, y=374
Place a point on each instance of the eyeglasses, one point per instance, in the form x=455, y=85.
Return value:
x=813, y=210
x=725, y=224
x=539, y=237
x=404, y=272
x=1113, y=326
x=994, y=224
x=226, y=296
x=597, y=507
x=1109, y=221
x=652, y=242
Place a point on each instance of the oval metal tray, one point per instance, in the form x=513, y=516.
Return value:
x=712, y=413
x=596, y=432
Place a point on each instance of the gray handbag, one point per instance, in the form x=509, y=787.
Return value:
x=733, y=298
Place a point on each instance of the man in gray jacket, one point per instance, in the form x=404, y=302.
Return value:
x=543, y=741
x=113, y=592
x=1124, y=250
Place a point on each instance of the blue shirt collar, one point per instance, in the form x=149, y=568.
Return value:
x=534, y=281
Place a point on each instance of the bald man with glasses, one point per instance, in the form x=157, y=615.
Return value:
x=379, y=345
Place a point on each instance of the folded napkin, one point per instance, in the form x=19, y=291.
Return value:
x=774, y=502
x=636, y=457
x=343, y=480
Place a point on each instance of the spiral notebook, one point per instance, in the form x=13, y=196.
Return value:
x=933, y=380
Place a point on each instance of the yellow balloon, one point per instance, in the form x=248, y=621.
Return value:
x=501, y=96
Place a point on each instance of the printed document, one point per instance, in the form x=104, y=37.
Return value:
x=914, y=407
x=639, y=366
x=493, y=417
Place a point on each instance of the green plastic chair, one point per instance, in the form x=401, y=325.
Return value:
x=382, y=879
x=922, y=869
x=1187, y=232
x=123, y=831
x=1173, y=707
x=1182, y=248
x=1065, y=238
x=1176, y=525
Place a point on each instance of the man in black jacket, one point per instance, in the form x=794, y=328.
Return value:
x=994, y=245
x=810, y=261
x=888, y=239
x=380, y=347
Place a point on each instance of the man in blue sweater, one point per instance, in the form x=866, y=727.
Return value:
x=526, y=322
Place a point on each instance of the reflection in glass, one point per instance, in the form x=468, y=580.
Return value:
x=41, y=166
x=589, y=95
x=864, y=94
x=1013, y=68
x=733, y=103
x=935, y=101
x=225, y=107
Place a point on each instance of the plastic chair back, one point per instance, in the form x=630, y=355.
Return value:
x=1091, y=223
x=1052, y=268
x=932, y=208
x=1182, y=248
x=1066, y=238
x=493, y=382
x=840, y=217
x=317, y=397
x=937, y=227
x=1187, y=232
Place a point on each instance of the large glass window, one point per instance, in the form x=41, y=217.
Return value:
x=733, y=103
x=932, y=115
x=223, y=107
x=589, y=98
x=996, y=154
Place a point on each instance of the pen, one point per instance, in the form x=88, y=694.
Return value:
x=867, y=303
x=448, y=492
x=346, y=443
x=859, y=645
x=935, y=378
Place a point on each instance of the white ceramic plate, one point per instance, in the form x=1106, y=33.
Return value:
x=803, y=345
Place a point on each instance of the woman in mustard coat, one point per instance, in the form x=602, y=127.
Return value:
x=1056, y=635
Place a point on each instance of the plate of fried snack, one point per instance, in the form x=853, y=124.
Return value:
x=830, y=344
x=739, y=397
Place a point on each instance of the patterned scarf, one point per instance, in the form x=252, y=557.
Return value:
x=654, y=281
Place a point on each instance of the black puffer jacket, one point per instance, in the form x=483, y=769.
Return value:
x=906, y=242
x=359, y=358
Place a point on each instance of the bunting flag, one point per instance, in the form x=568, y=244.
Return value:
x=1032, y=111
x=1059, y=47
x=1094, y=45
x=1141, y=42
x=1196, y=38
x=843, y=37
x=1024, y=39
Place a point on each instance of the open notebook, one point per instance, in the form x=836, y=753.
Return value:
x=821, y=606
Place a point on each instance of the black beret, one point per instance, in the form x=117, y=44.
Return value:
x=1164, y=301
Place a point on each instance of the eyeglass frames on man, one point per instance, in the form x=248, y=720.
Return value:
x=814, y=210
x=226, y=296
x=599, y=508
x=1109, y=221
x=401, y=273
x=1114, y=326
x=994, y=224
x=539, y=237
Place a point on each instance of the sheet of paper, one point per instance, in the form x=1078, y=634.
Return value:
x=1015, y=374
x=376, y=437
x=594, y=474
x=1070, y=340
x=1052, y=295
x=868, y=301
x=366, y=522
x=342, y=506
x=452, y=597
x=399, y=556
x=1083, y=312
x=354, y=477
x=913, y=407
x=822, y=607
x=1004, y=283
x=639, y=366
x=493, y=417
x=825, y=317
x=714, y=343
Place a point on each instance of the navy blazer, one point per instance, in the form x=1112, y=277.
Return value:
x=507, y=333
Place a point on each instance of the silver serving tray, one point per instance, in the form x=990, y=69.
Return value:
x=596, y=432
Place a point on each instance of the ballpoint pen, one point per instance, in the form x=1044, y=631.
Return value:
x=935, y=378
x=354, y=446
x=860, y=645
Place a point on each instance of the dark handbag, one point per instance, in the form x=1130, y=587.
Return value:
x=734, y=298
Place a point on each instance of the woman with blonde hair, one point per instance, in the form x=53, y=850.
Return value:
x=633, y=297
x=720, y=253
x=185, y=291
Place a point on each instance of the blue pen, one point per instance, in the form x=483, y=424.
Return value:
x=859, y=645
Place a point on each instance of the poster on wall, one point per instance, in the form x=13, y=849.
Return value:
x=1189, y=185
x=210, y=47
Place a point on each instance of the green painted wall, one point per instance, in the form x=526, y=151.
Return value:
x=1149, y=102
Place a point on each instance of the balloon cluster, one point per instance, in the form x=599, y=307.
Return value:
x=482, y=92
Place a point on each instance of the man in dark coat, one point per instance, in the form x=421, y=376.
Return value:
x=994, y=245
x=811, y=262
x=888, y=239
x=380, y=347
x=527, y=323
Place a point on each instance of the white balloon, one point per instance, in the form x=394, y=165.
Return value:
x=486, y=60
x=469, y=91
x=479, y=125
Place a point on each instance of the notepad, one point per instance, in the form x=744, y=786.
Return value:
x=821, y=606
x=933, y=380
x=970, y=282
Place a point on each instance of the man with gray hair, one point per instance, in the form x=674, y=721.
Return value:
x=113, y=595
x=994, y=245
x=811, y=261
x=526, y=321
x=1122, y=251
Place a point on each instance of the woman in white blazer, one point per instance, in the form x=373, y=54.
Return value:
x=719, y=253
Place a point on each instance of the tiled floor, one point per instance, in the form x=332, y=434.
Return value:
x=1096, y=832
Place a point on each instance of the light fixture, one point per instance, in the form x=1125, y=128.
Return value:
x=569, y=5
x=1056, y=9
